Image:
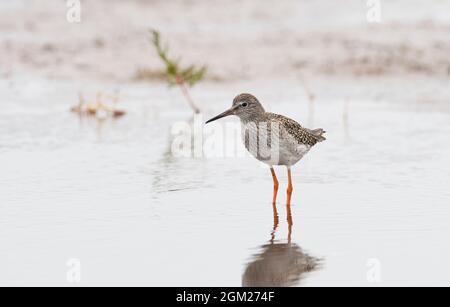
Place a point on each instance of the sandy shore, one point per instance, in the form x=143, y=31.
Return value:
x=236, y=41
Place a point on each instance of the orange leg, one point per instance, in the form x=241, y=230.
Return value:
x=289, y=188
x=275, y=185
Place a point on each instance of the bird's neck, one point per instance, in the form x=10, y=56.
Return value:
x=253, y=118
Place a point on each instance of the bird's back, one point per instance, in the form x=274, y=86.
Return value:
x=303, y=136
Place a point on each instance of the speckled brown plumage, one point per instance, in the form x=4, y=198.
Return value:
x=302, y=135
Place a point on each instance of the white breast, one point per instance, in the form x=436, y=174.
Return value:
x=283, y=149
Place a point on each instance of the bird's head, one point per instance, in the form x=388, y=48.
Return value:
x=245, y=106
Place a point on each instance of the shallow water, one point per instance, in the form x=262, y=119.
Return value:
x=370, y=205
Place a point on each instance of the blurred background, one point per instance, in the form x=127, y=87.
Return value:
x=101, y=186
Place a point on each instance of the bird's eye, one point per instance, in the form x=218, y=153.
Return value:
x=244, y=104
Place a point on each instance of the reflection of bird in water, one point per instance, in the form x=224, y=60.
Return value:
x=279, y=264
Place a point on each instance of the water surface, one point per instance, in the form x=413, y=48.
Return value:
x=110, y=194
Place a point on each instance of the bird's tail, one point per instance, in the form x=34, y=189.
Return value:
x=318, y=133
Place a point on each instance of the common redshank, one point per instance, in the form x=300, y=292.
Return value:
x=272, y=138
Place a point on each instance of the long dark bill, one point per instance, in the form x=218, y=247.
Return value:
x=226, y=113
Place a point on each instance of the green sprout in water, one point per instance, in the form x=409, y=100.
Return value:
x=182, y=77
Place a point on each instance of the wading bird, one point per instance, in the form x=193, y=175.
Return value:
x=271, y=138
